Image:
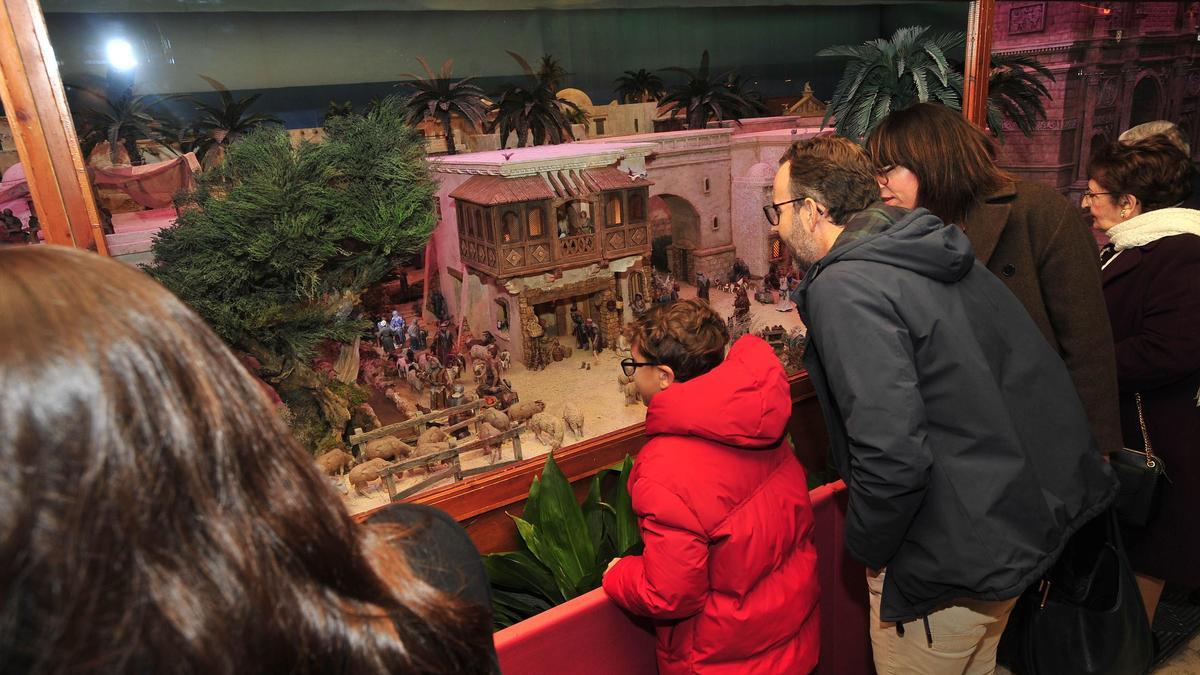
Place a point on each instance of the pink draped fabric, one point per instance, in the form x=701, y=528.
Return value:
x=151, y=185
x=14, y=192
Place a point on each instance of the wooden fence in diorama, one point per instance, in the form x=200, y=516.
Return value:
x=453, y=454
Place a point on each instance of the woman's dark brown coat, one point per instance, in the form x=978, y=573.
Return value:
x=1037, y=243
x=1153, y=295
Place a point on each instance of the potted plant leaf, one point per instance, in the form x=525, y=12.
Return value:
x=566, y=546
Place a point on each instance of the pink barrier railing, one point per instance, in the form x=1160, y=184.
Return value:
x=591, y=636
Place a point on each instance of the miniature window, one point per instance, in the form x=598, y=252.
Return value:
x=707, y=186
x=509, y=230
x=489, y=229
x=637, y=207
x=599, y=127
x=473, y=222
x=614, y=211
x=635, y=125
x=501, y=314
x=537, y=227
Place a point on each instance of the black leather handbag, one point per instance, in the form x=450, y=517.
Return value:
x=1086, y=616
x=1141, y=473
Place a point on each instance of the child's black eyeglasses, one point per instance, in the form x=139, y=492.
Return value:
x=630, y=366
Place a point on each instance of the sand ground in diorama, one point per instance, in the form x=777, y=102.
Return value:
x=594, y=391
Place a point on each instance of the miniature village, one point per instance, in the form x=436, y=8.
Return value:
x=472, y=310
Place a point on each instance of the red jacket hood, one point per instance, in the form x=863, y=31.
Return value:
x=744, y=402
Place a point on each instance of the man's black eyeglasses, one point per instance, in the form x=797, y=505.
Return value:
x=630, y=366
x=773, y=212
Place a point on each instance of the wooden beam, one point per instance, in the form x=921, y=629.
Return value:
x=41, y=123
x=980, y=23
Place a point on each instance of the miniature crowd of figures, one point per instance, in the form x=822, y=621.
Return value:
x=13, y=231
x=437, y=363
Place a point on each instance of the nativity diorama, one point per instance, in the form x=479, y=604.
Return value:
x=441, y=282
x=420, y=313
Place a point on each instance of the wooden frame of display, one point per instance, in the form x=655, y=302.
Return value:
x=978, y=66
x=44, y=132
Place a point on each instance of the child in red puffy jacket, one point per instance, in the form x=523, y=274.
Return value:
x=729, y=566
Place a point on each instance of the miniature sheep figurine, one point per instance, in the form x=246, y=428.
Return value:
x=366, y=472
x=431, y=436
x=480, y=353
x=622, y=380
x=334, y=460
x=496, y=418
x=486, y=433
x=574, y=419
x=548, y=429
x=523, y=410
x=414, y=381
x=631, y=394
x=386, y=448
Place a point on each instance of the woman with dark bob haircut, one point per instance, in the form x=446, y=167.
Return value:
x=1027, y=234
x=156, y=516
x=1152, y=285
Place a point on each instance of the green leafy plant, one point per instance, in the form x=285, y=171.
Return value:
x=566, y=546
x=120, y=122
x=703, y=96
x=641, y=86
x=551, y=72
x=277, y=245
x=336, y=109
x=439, y=96
x=532, y=109
x=885, y=75
x=220, y=125
x=1016, y=91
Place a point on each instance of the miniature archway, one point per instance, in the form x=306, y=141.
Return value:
x=1146, y=103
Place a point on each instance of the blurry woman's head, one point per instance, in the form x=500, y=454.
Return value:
x=929, y=155
x=155, y=513
x=1129, y=179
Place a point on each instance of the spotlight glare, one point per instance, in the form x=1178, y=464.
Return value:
x=120, y=54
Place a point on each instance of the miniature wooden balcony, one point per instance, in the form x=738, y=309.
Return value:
x=510, y=227
x=589, y=635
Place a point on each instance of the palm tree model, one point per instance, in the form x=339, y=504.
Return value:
x=440, y=97
x=532, y=108
x=120, y=122
x=703, y=95
x=1015, y=92
x=222, y=124
x=885, y=75
x=641, y=86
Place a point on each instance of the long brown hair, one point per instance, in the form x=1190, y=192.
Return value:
x=157, y=516
x=953, y=161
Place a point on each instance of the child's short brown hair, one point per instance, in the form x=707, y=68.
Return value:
x=686, y=335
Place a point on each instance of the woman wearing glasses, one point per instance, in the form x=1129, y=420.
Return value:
x=1027, y=234
x=1152, y=285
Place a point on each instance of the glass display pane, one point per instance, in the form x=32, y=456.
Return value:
x=396, y=132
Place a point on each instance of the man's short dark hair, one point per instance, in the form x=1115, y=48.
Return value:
x=835, y=172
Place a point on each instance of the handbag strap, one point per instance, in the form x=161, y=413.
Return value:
x=1149, y=450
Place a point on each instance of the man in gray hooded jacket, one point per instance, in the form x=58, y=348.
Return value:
x=957, y=428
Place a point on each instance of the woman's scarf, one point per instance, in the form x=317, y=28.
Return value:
x=1154, y=225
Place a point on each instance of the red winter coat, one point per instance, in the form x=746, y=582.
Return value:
x=729, y=568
